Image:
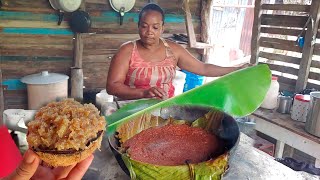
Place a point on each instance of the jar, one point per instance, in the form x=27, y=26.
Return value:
x=271, y=99
x=300, y=107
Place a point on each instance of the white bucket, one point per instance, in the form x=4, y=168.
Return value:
x=178, y=82
x=45, y=87
x=102, y=98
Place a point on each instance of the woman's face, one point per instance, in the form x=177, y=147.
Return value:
x=150, y=27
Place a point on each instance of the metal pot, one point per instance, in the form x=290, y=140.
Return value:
x=80, y=21
x=227, y=129
x=284, y=104
x=312, y=125
x=45, y=87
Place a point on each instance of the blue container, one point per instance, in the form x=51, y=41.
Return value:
x=192, y=80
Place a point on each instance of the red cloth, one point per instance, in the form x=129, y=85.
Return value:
x=10, y=156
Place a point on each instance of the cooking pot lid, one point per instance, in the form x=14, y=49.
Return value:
x=44, y=78
x=53, y=4
x=118, y=4
x=69, y=5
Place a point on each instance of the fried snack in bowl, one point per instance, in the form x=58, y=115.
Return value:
x=66, y=132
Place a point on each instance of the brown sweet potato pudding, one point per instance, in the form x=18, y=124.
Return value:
x=172, y=145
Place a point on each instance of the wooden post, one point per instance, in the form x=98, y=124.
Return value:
x=189, y=25
x=76, y=70
x=77, y=84
x=309, y=42
x=190, y=29
x=78, y=51
x=206, y=12
x=256, y=33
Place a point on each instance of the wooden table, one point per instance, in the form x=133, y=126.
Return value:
x=286, y=131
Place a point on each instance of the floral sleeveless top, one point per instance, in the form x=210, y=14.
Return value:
x=144, y=74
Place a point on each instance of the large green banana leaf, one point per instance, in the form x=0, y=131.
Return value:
x=213, y=170
x=238, y=94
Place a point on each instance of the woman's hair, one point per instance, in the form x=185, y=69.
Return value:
x=151, y=7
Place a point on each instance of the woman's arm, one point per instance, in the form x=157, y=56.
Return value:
x=187, y=62
x=117, y=75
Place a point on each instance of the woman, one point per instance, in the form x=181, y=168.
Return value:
x=146, y=67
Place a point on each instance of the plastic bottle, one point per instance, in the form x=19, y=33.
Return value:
x=270, y=101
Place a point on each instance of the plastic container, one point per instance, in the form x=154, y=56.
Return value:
x=45, y=87
x=178, y=82
x=192, y=81
x=271, y=99
x=102, y=98
x=300, y=107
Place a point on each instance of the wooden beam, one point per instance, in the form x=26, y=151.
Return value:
x=280, y=57
x=308, y=47
x=314, y=75
x=315, y=64
x=279, y=44
x=316, y=49
x=33, y=24
x=190, y=29
x=312, y=85
x=283, y=20
x=189, y=25
x=286, y=80
x=283, y=69
x=286, y=7
x=286, y=87
x=281, y=31
x=256, y=33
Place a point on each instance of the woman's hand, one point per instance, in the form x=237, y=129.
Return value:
x=154, y=92
x=30, y=169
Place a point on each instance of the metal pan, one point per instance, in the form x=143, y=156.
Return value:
x=80, y=21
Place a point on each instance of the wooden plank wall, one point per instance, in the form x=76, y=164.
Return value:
x=279, y=28
x=31, y=41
